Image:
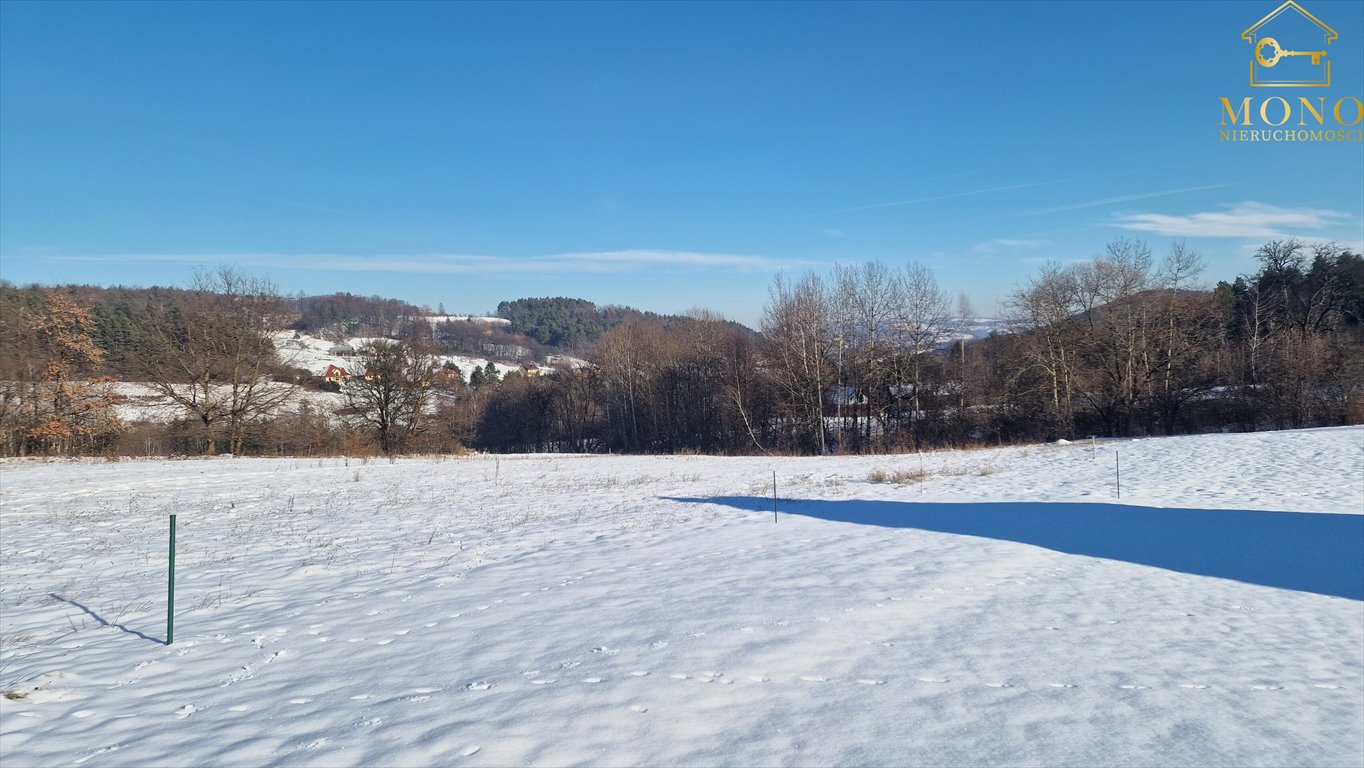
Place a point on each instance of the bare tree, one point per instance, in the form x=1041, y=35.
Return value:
x=921, y=316
x=389, y=391
x=211, y=351
x=1042, y=313
x=865, y=311
x=965, y=314
x=798, y=329
x=627, y=358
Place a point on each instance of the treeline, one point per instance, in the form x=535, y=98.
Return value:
x=866, y=359
x=575, y=324
x=344, y=315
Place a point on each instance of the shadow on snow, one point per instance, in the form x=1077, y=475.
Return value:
x=1310, y=552
x=103, y=622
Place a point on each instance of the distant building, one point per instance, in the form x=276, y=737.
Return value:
x=341, y=350
x=530, y=369
x=335, y=374
x=846, y=396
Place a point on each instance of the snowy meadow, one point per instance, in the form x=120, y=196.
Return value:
x=993, y=607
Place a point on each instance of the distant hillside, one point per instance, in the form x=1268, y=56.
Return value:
x=345, y=314
x=573, y=324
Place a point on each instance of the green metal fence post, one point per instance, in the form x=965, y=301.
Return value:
x=170, y=588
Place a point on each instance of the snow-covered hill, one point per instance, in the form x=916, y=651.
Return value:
x=314, y=354
x=554, y=610
x=139, y=401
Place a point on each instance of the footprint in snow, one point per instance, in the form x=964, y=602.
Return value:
x=1266, y=687
x=640, y=708
x=998, y=685
x=1193, y=686
x=1327, y=686
x=480, y=685
x=814, y=679
x=678, y=676
x=186, y=711
x=870, y=681
x=759, y=678
x=639, y=673
x=98, y=752
x=311, y=745
x=932, y=679
x=470, y=751
x=1061, y=685
x=543, y=681
x=594, y=679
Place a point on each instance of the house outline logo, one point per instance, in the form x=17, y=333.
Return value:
x=1267, y=50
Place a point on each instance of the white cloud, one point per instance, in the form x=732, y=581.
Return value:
x=1009, y=244
x=1120, y=199
x=1248, y=219
x=588, y=262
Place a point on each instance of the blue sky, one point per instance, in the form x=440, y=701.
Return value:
x=665, y=156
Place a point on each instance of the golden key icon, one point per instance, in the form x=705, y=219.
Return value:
x=1279, y=53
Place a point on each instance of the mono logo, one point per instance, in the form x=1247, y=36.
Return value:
x=1291, y=48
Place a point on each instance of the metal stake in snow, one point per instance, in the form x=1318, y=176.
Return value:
x=774, y=496
x=1117, y=473
x=170, y=588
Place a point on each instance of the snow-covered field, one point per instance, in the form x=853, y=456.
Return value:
x=554, y=610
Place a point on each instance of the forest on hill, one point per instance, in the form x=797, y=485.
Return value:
x=863, y=359
x=576, y=324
